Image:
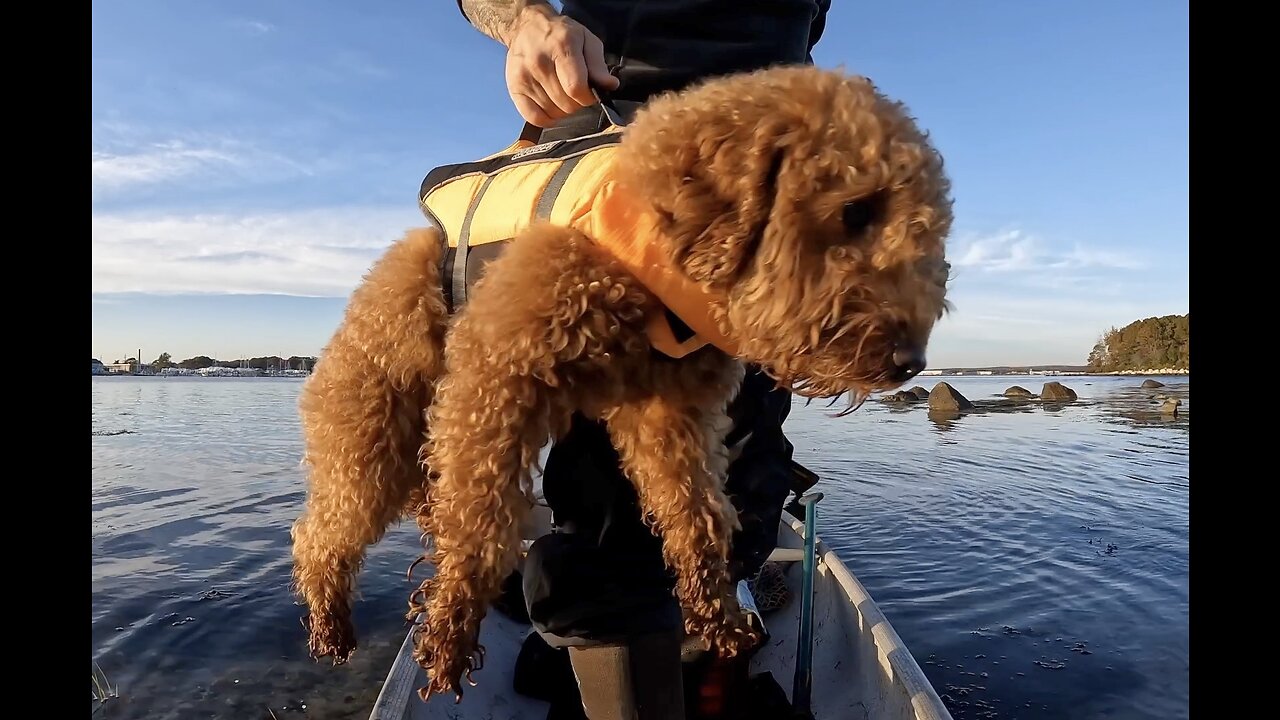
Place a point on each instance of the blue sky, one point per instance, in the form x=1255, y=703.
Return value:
x=251, y=159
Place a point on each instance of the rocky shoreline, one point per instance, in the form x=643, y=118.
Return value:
x=945, y=402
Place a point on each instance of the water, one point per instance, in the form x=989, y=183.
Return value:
x=1035, y=561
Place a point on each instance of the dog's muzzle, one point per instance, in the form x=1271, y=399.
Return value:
x=908, y=361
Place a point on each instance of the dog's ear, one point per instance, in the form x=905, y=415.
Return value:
x=716, y=244
x=714, y=200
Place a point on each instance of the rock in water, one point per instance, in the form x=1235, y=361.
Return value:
x=945, y=398
x=920, y=392
x=1170, y=406
x=1152, y=384
x=1057, y=392
x=1017, y=391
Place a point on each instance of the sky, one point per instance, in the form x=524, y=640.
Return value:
x=252, y=159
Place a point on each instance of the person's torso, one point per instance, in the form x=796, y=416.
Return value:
x=667, y=44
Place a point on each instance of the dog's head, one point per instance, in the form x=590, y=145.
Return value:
x=815, y=207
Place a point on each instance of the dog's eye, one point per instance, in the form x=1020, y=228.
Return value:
x=859, y=214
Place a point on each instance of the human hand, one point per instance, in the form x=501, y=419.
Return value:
x=552, y=64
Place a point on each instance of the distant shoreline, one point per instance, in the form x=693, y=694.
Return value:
x=211, y=372
x=221, y=372
x=1052, y=371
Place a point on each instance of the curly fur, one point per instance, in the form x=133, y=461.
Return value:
x=750, y=178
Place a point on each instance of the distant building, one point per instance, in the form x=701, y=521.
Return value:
x=128, y=368
x=98, y=367
x=931, y=372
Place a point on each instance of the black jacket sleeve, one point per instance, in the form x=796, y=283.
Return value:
x=816, y=28
x=761, y=476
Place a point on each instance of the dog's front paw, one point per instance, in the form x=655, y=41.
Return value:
x=330, y=636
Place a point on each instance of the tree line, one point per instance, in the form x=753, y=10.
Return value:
x=199, y=362
x=1154, y=342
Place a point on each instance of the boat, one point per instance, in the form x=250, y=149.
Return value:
x=859, y=668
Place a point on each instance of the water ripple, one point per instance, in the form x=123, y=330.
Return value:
x=1034, y=560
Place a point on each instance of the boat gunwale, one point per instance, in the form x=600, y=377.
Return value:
x=895, y=658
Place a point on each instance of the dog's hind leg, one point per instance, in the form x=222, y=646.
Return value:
x=672, y=449
x=363, y=424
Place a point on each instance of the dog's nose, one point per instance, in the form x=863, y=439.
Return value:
x=908, y=361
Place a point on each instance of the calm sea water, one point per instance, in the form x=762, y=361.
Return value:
x=1035, y=562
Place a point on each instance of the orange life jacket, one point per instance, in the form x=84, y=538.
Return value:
x=483, y=205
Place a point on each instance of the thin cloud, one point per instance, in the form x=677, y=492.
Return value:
x=1017, y=251
x=241, y=256
x=311, y=254
x=1005, y=319
x=1093, y=257
x=1024, y=301
x=254, y=27
x=160, y=163
x=1003, y=324
x=129, y=165
x=357, y=64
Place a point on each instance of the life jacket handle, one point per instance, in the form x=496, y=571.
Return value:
x=531, y=132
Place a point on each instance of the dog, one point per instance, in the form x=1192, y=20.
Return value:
x=792, y=217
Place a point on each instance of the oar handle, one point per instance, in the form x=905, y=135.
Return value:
x=802, y=684
x=808, y=501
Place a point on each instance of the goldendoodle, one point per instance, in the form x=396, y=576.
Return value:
x=794, y=218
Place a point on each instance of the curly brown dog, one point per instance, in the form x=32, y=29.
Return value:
x=808, y=209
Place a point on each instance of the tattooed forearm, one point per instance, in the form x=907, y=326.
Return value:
x=496, y=18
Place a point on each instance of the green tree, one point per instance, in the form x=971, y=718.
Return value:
x=1100, y=356
x=1154, y=342
x=164, y=361
x=198, y=362
x=266, y=363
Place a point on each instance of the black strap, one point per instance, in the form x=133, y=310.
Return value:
x=459, y=279
x=532, y=133
x=679, y=330
x=627, y=35
x=547, y=200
